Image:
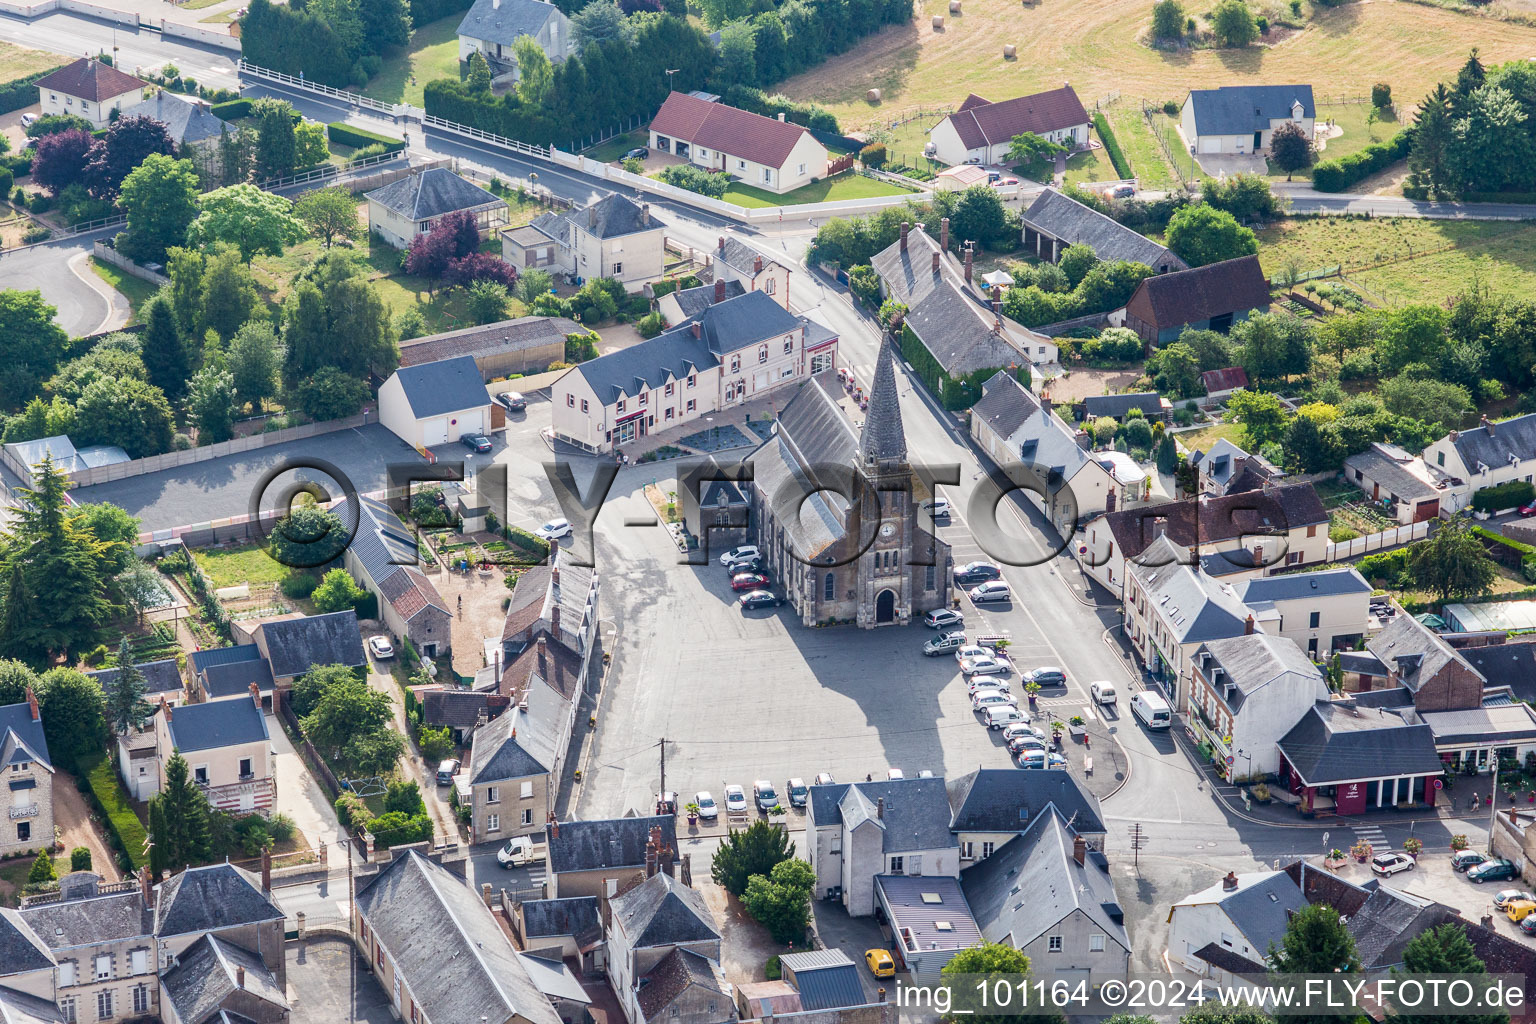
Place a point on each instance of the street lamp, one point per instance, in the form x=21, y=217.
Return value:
x=670, y=73
x=714, y=437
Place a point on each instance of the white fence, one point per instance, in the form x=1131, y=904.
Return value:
x=105, y=252
x=128, y=19
x=1392, y=538
x=355, y=99
x=206, y=36
x=428, y=121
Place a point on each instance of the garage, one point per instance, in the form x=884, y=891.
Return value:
x=435, y=403
x=1210, y=144
x=435, y=430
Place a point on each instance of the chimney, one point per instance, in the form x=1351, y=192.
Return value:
x=1248, y=625
x=554, y=621
x=1230, y=882
x=664, y=856
x=687, y=876
x=904, y=227
x=719, y=289
x=1084, y=440
x=163, y=706
x=1455, y=436
x=781, y=117
x=721, y=245
x=944, y=234
x=146, y=890
x=1486, y=425
x=696, y=330
x=592, y=216
x=652, y=852
x=757, y=265
x=554, y=575
x=935, y=262
x=997, y=293
x=997, y=317
x=256, y=695
x=266, y=871
x=543, y=645
x=969, y=251
x=1079, y=850
x=554, y=827
x=37, y=716
x=240, y=971
x=880, y=808
x=1045, y=404
x=645, y=214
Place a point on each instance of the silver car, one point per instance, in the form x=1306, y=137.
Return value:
x=984, y=665
x=991, y=698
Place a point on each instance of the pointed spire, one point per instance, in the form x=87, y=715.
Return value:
x=884, y=438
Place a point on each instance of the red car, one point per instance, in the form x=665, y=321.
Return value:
x=1528, y=510
x=749, y=581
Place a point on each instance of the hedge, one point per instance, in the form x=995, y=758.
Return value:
x=1338, y=175
x=1510, y=494
x=233, y=110
x=536, y=546
x=795, y=112
x=124, y=828
x=1112, y=146
x=347, y=135
x=423, y=11
x=21, y=92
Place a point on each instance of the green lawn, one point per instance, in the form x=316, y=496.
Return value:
x=1202, y=438
x=222, y=18
x=1353, y=119
x=1140, y=146
x=230, y=567
x=136, y=290
x=1094, y=165
x=433, y=53
x=844, y=186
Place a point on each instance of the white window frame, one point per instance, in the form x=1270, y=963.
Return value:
x=1053, y=944
x=493, y=823
x=101, y=967
x=525, y=791
x=493, y=794
x=1095, y=943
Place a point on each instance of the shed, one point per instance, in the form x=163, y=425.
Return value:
x=433, y=403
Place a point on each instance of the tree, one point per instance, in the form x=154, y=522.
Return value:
x=1290, y=148
x=1491, y=116
x=128, y=143
x=182, y=813
x=308, y=687
x=1221, y=1013
x=1175, y=370
x=74, y=714
x=334, y=317
x=1381, y=96
x=753, y=850
x=404, y=797
x=307, y=537
x=353, y=724
x=1433, y=139
x=1444, y=949
x=1028, y=147
x=211, y=404
x=1316, y=941
x=1200, y=234
x=477, y=75
x=310, y=148
x=140, y=586
x=60, y=160
x=781, y=900
x=1313, y=446
x=865, y=284
x=42, y=871
x=126, y=707
x=1167, y=455
x=992, y=960
x=600, y=22
x=481, y=266
x=531, y=284
x=435, y=744
x=718, y=12
x=34, y=344
x=487, y=302
x=229, y=296
x=1076, y=261
x=126, y=412
x=1273, y=346
x=738, y=54
x=1167, y=20
x=1233, y=23
x=337, y=592
x=1434, y=401
x=276, y=148
x=237, y=156
x=248, y=218
x=1453, y=563
x=80, y=858
x=385, y=22
x=158, y=863
x=535, y=75
x=1261, y=414
x=331, y=213
x=328, y=395
x=253, y=359
x=159, y=199
x=165, y=357
x=1471, y=77
x=15, y=679
x=1411, y=334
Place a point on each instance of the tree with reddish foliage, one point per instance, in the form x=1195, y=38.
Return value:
x=481, y=266
x=430, y=254
x=60, y=159
x=128, y=142
x=462, y=229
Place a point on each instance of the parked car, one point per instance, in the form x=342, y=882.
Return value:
x=996, y=590
x=983, y=682
x=758, y=599
x=28, y=120
x=512, y=401
x=976, y=572
x=939, y=508
x=380, y=646
x=1505, y=897
x=1528, y=509
x=749, y=581
x=894, y=775
x=518, y=852
x=1047, y=675
x=880, y=963
x=638, y=153
x=825, y=779
x=991, y=698
x=1001, y=715
x=475, y=441
x=1102, y=691
x=446, y=771
x=764, y=796
x=1022, y=729
x=666, y=803
x=1493, y=871
x=708, y=809
x=1391, y=863
x=1466, y=859
x=1041, y=759
x=926, y=773
x=1519, y=910
x=1019, y=744
x=1528, y=924
x=1123, y=191
x=738, y=554
x=941, y=617
x=742, y=565
x=798, y=792
x=944, y=643
x=985, y=665
x=735, y=800
x=554, y=529
x=972, y=651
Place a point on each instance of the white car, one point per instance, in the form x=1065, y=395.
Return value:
x=982, y=682
x=992, y=590
x=1023, y=729
x=991, y=698
x=938, y=508
x=1391, y=863
x=985, y=665
x=708, y=809
x=941, y=617
x=971, y=651
x=735, y=800
x=554, y=529
x=1102, y=691
x=518, y=852
x=1001, y=715
x=740, y=554
x=894, y=774
x=825, y=779
x=381, y=647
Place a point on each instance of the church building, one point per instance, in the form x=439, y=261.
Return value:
x=834, y=510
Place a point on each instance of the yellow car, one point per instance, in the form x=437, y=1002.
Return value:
x=882, y=966
x=1519, y=909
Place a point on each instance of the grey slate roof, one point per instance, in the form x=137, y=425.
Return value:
x=1197, y=607
x=235, y=678
x=1336, y=742
x=553, y=978
x=1004, y=404
x=197, y=661
x=428, y=919
x=446, y=386
x=1002, y=800
x=502, y=21
x=187, y=122
x=908, y=273
x=216, y=723
x=84, y=921
x=21, y=1008
x=459, y=709
x=742, y=256
x=1507, y=664
x=812, y=434
x=22, y=739
x=21, y=950
x=1389, y=920
x=1256, y=660
x=661, y=911
x=605, y=842
x=1379, y=466
x=206, y=974
x=919, y=904
x=521, y=742
x=1220, y=956
x=693, y=301
x=524, y=332
x=883, y=437
x=825, y=978
x=1414, y=650
x=387, y=553
x=1117, y=406
x=1063, y=217
x=576, y=916
x=436, y=191
x=613, y=216
x=1242, y=109
x=1032, y=882
x=1264, y=908
x=916, y=811
x=1493, y=445
x=159, y=677
x=957, y=333
x=294, y=646
x=1221, y=462
x=210, y=898
x=1303, y=585
x=673, y=975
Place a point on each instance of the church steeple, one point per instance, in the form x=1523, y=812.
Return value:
x=884, y=439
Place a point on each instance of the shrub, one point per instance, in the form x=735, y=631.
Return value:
x=398, y=828
x=873, y=155
x=124, y=829
x=1338, y=175
x=1171, y=108
x=232, y=110
x=771, y=968
x=351, y=811
x=1385, y=566
x=696, y=179
x=346, y=135
x=80, y=858
x=21, y=92
x=1381, y=95
x=1111, y=146
x=536, y=546
x=650, y=325
x=298, y=584
x=281, y=828
x=1505, y=495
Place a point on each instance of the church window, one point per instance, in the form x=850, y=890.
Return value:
x=829, y=587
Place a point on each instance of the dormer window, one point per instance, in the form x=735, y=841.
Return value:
x=619, y=406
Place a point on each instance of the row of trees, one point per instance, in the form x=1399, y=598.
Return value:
x=1477, y=134
x=336, y=42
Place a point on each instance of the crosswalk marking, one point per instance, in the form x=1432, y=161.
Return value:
x=1375, y=836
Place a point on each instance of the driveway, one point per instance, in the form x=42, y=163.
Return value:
x=300, y=795
x=77, y=827
x=62, y=272
x=1228, y=164
x=329, y=982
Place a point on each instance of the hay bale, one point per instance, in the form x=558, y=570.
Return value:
x=1009, y=51
x=873, y=96
x=938, y=22
x=954, y=6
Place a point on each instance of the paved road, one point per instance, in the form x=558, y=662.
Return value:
x=62, y=272
x=76, y=36
x=1308, y=200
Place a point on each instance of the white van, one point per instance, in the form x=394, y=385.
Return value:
x=1152, y=709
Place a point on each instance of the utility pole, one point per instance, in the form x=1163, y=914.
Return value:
x=663, y=794
x=1493, y=801
x=1138, y=843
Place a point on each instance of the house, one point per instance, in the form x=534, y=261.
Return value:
x=136, y=761
x=929, y=920
x=414, y=917
x=492, y=27
x=768, y=153
x=824, y=979
x=382, y=558
x=687, y=303
x=90, y=89
x=413, y=205
x=293, y=646
x=965, y=333
x=161, y=679
x=104, y=947
x=1320, y=612
x=193, y=127
x=1345, y=756
x=1056, y=220
x=737, y=262
x=558, y=984
x=604, y=856
x=557, y=602
x=687, y=987
x=29, y=772
x=721, y=517
x=732, y=352
x=1047, y=895
x=525, y=345
x=981, y=131
x=434, y=403
x=214, y=980
x=1485, y=456
x=28, y=972
x=817, y=544
x=1247, y=692
x=1240, y=916
x=227, y=748
x=1224, y=469
x=892, y=827
x=1405, y=485
x=1212, y=297
x=990, y=806
x=1436, y=675
x=570, y=928
x=226, y=673
x=614, y=237
x=1243, y=118
x=461, y=712
x=1152, y=405
x=650, y=927
x=1221, y=385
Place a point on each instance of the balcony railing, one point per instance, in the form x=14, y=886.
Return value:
x=25, y=810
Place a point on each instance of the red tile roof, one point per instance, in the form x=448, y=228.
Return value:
x=1230, y=379
x=981, y=124
x=729, y=130
x=89, y=79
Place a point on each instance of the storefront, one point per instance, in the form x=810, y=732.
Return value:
x=1349, y=760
